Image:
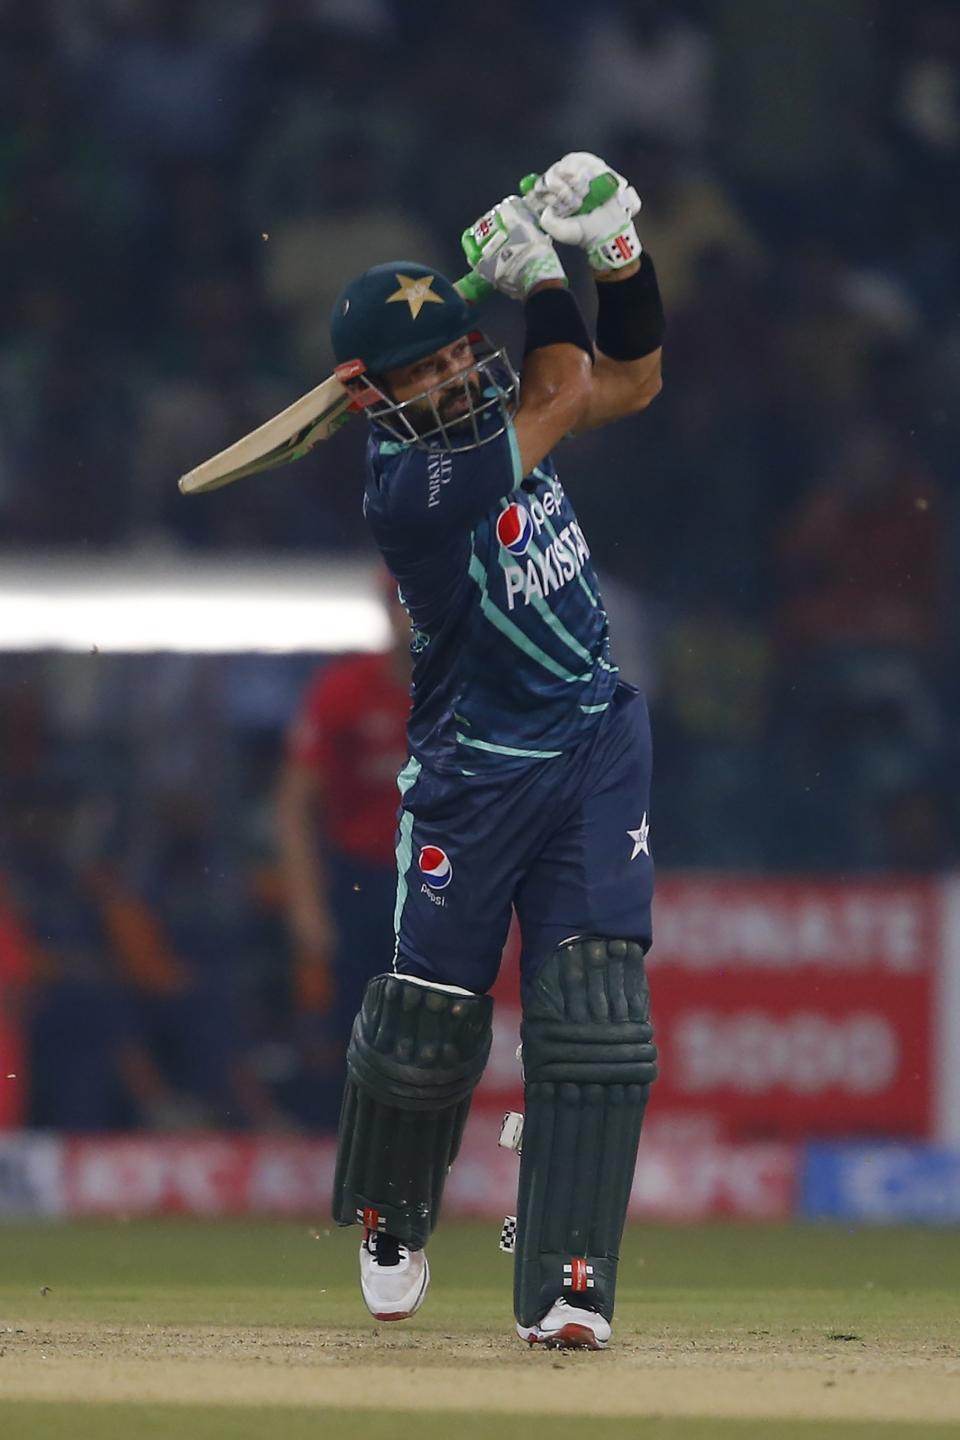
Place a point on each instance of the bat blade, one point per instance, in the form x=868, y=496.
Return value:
x=294, y=432
x=288, y=436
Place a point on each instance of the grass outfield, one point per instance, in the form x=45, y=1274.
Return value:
x=226, y=1329
x=224, y=1422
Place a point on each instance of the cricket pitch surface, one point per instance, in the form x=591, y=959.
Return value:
x=200, y=1330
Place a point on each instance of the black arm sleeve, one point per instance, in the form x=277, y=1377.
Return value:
x=630, y=320
x=553, y=318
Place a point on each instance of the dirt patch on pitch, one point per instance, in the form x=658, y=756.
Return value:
x=746, y=1376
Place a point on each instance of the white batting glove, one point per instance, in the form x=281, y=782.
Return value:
x=607, y=232
x=507, y=248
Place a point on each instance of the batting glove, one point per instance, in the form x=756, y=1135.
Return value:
x=507, y=248
x=607, y=232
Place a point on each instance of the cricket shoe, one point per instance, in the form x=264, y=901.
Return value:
x=565, y=1327
x=393, y=1279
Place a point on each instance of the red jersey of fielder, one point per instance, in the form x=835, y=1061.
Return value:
x=352, y=729
x=15, y=976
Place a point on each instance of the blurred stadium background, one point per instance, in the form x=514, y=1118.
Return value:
x=183, y=189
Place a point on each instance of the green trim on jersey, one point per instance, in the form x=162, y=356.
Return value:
x=543, y=609
x=510, y=749
x=515, y=454
x=405, y=781
x=495, y=615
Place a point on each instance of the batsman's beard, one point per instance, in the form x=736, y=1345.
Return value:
x=450, y=405
x=469, y=408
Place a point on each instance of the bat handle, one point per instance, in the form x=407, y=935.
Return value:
x=602, y=188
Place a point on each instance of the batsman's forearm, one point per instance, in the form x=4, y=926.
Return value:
x=638, y=381
x=620, y=388
x=630, y=327
x=556, y=384
x=557, y=357
x=557, y=363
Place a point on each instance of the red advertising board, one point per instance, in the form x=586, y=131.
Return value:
x=782, y=1008
x=794, y=1007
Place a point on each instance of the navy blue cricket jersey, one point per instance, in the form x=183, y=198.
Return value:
x=511, y=650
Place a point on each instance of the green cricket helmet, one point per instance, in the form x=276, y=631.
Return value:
x=395, y=314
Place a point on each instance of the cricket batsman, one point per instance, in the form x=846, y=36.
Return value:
x=527, y=785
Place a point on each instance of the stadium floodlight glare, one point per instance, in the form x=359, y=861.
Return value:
x=179, y=604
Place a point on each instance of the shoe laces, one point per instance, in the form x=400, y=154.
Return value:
x=386, y=1250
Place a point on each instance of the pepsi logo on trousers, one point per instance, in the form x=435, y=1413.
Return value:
x=435, y=867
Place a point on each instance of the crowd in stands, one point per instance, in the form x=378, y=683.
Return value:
x=183, y=189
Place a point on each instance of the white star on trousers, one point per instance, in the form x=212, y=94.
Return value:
x=639, y=838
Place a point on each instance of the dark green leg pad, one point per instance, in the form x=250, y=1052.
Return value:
x=414, y=1059
x=588, y=1062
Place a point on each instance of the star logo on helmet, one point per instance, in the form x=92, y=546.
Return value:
x=416, y=291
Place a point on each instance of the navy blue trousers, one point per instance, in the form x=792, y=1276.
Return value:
x=563, y=841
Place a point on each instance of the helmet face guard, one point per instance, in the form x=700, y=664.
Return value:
x=418, y=420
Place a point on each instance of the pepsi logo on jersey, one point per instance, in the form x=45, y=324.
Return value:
x=515, y=529
x=557, y=555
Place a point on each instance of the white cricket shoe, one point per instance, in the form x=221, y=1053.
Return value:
x=564, y=1327
x=393, y=1279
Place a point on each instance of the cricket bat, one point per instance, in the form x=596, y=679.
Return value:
x=295, y=431
x=328, y=406
x=288, y=436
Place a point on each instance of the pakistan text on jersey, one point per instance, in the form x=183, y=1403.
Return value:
x=549, y=569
